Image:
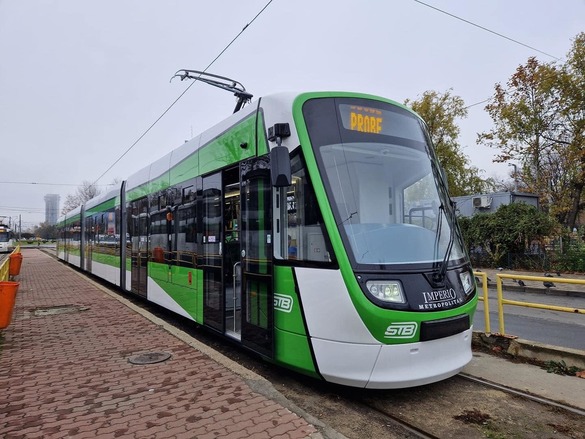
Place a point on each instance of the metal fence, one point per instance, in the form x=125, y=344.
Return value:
x=5, y=265
x=502, y=301
x=560, y=254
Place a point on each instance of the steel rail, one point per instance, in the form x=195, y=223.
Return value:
x=522, y=394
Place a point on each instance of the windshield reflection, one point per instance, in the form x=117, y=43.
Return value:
x=387, y=203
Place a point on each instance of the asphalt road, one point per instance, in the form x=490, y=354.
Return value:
x=551, y=327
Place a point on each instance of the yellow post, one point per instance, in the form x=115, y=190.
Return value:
x=4, y=269
x=5, y=265
x=500, y=304
x=485, y=299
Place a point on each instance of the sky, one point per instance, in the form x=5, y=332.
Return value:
x=81, y=81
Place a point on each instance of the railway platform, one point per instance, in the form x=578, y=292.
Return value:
x=66, y=371
x=75, y=362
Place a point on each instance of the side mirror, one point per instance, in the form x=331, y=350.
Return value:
x=280, y=171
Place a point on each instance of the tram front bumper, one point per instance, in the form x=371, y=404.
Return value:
x=393, y=366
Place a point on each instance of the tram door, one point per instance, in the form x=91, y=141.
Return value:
x=237, y=254
x=232, y=265
x=211, y=262
x=138, y=231
x=257, y=298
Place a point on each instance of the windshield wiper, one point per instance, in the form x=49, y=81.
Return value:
x=441, y=271
x=348, y=218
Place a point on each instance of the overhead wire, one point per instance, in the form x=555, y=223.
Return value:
x=486, y=29
x=477, y=103
x=162, y=114
x=183, y=93
x=22, y=209
x=490, y=98
x=37, y=183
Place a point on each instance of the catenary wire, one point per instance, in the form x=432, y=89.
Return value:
x=486, y=29
x=38, y=183
x=477, y=103
x=182, y=94
x=22, y=209
x=490, y=98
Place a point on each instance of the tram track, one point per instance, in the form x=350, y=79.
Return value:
x=526, y=395
x=403, y=427
x=471, y=408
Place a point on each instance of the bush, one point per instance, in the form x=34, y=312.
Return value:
x=572, y=257
x=512, y=229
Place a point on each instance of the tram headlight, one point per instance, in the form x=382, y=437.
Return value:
x=386, y=290
x=467, y=282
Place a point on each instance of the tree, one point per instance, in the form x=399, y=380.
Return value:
x=46, y=231
x=525, y=120
x=83, y=193
x=539, y=120
x=572, y=87
x=440, y=112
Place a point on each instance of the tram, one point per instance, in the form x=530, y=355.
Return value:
x=7, y=244
x=314, y=228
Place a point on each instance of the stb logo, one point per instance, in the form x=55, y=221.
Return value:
x=283, y=303
x=401, y=330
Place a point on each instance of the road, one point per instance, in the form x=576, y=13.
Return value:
x=551, y=327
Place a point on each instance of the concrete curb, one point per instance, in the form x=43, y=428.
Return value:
x=529, y=350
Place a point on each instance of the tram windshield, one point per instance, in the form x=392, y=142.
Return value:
x=5, y=235
x=383, y=183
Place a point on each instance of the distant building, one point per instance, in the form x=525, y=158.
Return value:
x=470, y=205
x=52, y=208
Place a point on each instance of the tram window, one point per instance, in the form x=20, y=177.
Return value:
x=158, y=226
x=189, y=194
x=415, y=212
x=186, y=223
x=101, y=229
x=302, y=236
x=175, y=195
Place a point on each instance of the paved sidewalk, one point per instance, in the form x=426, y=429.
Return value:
x=65, y=372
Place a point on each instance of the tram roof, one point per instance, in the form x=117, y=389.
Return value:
x=276, y=108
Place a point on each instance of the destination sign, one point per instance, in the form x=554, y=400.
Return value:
x=365, y=119
x=370, y=120
x=383, y=120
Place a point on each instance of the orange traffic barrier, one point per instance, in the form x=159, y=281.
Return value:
x=8, y=291
x=15, y=263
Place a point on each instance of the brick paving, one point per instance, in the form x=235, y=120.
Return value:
x=64, y=372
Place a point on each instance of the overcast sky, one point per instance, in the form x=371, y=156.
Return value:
x=80, y=81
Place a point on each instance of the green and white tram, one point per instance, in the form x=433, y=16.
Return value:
x=315, y=229
x=7, y=241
